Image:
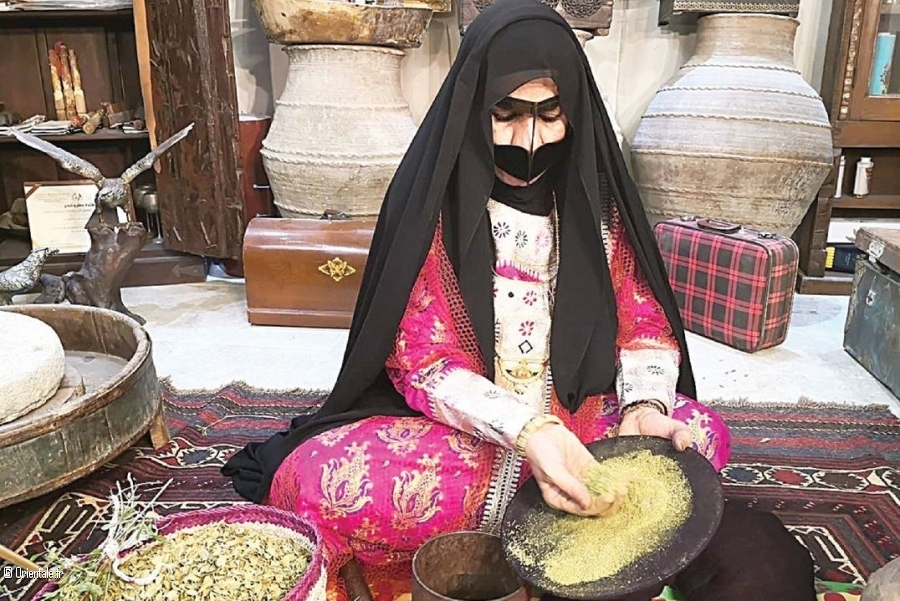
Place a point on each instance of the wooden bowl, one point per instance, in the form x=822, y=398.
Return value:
x=109, y=398
x=318, y=22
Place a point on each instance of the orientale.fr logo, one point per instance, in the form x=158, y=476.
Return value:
x=22, y=574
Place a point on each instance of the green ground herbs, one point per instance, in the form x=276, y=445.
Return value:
x=571, y=550
x=605, y=479
x=228, y=562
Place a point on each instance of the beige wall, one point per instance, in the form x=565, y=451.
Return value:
x=629, y=64
x=252, y=65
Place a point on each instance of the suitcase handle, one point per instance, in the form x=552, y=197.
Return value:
x=718, y=226
x=725, y=227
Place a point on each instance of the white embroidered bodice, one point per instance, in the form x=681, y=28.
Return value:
x=524, y=277
x=525, y=266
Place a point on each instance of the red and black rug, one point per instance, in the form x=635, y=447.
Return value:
x=831, y=473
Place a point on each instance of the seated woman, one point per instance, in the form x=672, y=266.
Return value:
x=513, y=309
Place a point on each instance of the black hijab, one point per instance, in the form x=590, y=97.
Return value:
x=448, y=172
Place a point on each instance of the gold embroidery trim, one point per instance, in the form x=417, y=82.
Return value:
x=522, y=371
x=337, y=269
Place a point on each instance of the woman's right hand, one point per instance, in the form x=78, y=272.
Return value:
x=559, y=462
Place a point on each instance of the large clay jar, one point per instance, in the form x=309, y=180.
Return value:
x=340, y=129
x=342, y=124
x=737, y=134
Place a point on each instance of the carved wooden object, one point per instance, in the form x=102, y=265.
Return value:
x=192, y=78
x=99, y=281
x=593, y=16
x=114, y=246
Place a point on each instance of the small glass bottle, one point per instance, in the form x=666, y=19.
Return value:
x=863, y=177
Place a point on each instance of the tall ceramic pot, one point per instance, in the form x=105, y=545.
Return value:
x=737, y=134
x=340, y=128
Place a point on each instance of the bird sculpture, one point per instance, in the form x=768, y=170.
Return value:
x=114, y=192
x=22, y=277
x=114, y=246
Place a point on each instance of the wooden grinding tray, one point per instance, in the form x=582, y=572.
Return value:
x=651, y=570
x=108, y=399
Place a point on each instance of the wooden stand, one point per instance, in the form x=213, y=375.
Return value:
x=159, y=431
x=145, y=56
x=863, y=125
x=99, y=281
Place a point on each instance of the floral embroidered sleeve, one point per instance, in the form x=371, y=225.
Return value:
x=647, y=349
x=436, y=375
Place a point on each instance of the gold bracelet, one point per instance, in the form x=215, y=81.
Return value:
x=531, y=427
x=645, y=403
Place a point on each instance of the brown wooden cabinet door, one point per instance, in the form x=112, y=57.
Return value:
x=876, y=88
x=191, y=75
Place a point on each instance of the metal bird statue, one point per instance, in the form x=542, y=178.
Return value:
x=114, y=246
x=22, y=277
x=112, y=192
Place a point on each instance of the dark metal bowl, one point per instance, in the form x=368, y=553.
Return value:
x=464, y=566
x=652, y=569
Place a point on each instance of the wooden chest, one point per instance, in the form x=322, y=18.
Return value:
x=872, y=330
x=304, y=272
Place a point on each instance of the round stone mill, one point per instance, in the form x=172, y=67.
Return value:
x=77, y=387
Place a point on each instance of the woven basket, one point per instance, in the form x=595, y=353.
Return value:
x=311, y=586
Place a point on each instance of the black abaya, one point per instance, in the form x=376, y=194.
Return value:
x=448, y=173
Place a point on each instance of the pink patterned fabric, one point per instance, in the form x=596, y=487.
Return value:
x=642, y=321
x=381, y=487
x=648, y=352
x=428, y=344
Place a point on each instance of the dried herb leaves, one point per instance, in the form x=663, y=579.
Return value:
x=233, y=562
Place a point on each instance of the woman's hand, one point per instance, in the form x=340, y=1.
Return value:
x=560, y=463
x=648, y=421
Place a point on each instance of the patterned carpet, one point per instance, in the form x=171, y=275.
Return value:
x=830, y=473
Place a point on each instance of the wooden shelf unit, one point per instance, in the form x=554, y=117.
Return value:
x=864, y=125
x=871, y=202
x=26, y=17
x=106, y=44
x=100, y=136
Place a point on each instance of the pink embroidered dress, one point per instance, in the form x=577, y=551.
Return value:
x=382, y=486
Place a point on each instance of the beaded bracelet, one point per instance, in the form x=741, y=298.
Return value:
x=638, y=404
x=531, y=427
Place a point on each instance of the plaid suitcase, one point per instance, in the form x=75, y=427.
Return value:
x=733, y=284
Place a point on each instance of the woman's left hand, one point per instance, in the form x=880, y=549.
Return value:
x=648, y=421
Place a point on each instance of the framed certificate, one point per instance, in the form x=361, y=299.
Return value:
x=58, y=213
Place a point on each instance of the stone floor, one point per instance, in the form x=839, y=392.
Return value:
x=202, y=339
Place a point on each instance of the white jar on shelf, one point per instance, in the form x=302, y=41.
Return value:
x=863, y=177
